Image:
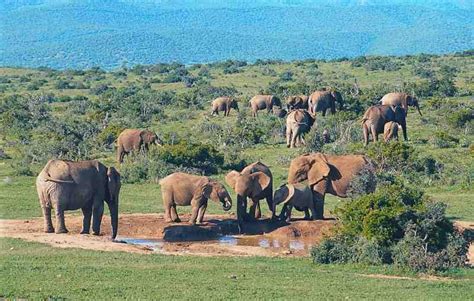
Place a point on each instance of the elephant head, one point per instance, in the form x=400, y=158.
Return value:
x=413, y=101
x=338, y=97
x=217, y=192
x=149, y=137
x=311, y=167
x=283, y=194
x=234, y=105
x=246, y=185
x=112, y=197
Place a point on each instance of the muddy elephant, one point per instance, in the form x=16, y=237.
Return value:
x=328, y=174
x=135, y=140
x=182, y=189
x=321, y=101
x=67, y=185
x=254, y=182
x=297, y=195
x=224, y=104
x=377, y=116
x=400, y=99
x=298, y=122
x=390, y=131
x=294, y=102
x=262, y=102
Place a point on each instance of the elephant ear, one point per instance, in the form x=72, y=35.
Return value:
x=260, y=182
x=231, y=178
x=319, y=169
x=291, y=193
x=147, y=136
x=204, y=188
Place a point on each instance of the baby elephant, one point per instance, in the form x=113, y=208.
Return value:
x=299, y=196
x=390, y=131
x=181, y=189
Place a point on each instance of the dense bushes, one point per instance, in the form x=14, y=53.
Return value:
x=396, y=224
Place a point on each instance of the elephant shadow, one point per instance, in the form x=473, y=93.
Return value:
x=214, y=229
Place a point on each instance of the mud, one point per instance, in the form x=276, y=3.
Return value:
x=149, y=233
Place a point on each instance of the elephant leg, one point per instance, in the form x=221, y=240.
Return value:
x=269, y=200
x=324, y=112
x=258, y=212
x=174, y=214
x=86, y=221
x=404, y=129
x=195, y=205
x=288, y=137
x=201, y=212
x=283, y=212
x=97, y=213
x=295, y=137
x=307, y=216
x=288, y=212
x=313, y=210
x=48, y=223
x=167, y=204
x=318, y=199
x=60, y=224
x=253, y=212
x=365, y=131
x=374, y=133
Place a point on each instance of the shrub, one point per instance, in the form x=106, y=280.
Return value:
x=461, y=117
x=442, y=139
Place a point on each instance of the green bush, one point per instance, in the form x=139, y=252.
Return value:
x=442, y=139
x=460, y=118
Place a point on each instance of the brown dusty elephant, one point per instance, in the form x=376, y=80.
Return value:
x=377, y=116
x=255, y=182
x=297, y=195
x=224, y=104
x=321, y=101
x=400, y=99
x=66, y=185
x=327, y=174
x=298, y=122
x=280, y=113
x=390, y=131
x=262, y=102
x=182, y=189
x=294, y=102
x=135, y=140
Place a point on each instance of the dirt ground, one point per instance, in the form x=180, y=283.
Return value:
x=148, y=233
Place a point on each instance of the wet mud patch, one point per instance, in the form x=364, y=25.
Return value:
x=149, y=233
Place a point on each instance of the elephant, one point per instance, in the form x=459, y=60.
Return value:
x=298, y=122
x=224, y=104
x=377, y=116
x=255, y=182
x=294, y=102
x=321, y=101
x=262, y=102
x=182, y=189
x=297, y=195
x=134, y=140
x=68, y=185
x=400, y=99
x=280, y=113
x=390, y=131
x=328, y=174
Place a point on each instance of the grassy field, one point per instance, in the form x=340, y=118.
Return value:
x=36, y=271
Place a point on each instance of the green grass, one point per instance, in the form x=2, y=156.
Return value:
x=37, y=271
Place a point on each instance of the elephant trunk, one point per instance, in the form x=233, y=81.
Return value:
x=113, y=208
x=227, y=204
x=418, y=108
x=241, y=211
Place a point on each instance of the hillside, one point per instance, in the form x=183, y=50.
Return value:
x=110, y=34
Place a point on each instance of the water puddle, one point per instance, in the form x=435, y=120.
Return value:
x=151, y=244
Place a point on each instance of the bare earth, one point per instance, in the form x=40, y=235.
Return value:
x=148, y=233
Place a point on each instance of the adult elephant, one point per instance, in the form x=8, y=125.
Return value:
x=262, y=102
x=255, y=182
x=135, y=140
x=224, y=104
x=377, y=116
x=294, y=102
x=298, y=122
x=321, y=101
x=182, y=189
x=400, y=99
x=66, y=185
x=327, y=174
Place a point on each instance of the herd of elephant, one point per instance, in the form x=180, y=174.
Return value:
x=384, y=118
x=70, y=185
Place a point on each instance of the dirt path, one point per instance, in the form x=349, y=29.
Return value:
x=149, y=233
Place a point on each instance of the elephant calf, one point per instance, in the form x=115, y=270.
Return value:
x=224, y=104
x=262, y=102
x=135, y=140
x=298, y=122
x=390, y=131
x=67, y=185
x=181, y=189
x=296, y=195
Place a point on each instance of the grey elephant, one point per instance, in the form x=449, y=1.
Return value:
x=182, y=189
x=262, y=102
x=224, y=104
x=294, y=102
x=66, y=185
x=390, y=131
x=377, y=116
x=321, y=101
x=400, y=99
x=298, y=122
x=297, y=195
x=254, y=182
x=135, y=140
x=329, y=174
